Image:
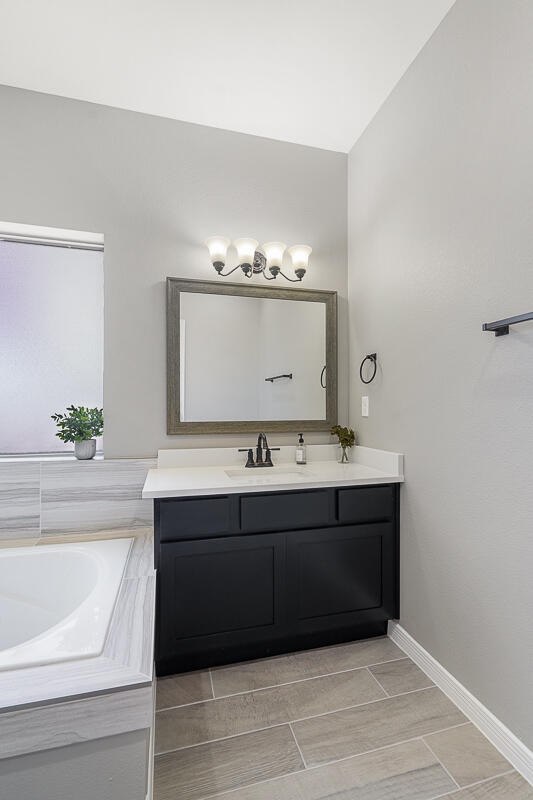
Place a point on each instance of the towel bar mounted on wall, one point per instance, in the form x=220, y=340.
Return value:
x=277, y=377
x=501, y=326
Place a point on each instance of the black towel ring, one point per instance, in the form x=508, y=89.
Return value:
x=371, y=357
x=322, y=378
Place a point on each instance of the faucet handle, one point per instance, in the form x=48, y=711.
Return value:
x=268, y=458
x=250, y=460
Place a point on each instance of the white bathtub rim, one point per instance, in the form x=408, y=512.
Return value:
x=127, y=660
x=35, y=652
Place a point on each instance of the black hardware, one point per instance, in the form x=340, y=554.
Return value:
x=501, y=326
x=250, y=461
x=259, y=267
x=277, y=377
x=323, y=377
x=268, y=457
x=262, y=444
x=275, y=271
x=219, y=266
x=371, y=357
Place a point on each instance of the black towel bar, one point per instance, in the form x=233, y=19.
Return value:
x=501, y=326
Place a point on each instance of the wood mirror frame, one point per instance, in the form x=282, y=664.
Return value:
x=174, y=424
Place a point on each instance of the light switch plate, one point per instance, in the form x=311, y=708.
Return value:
x=364, y=406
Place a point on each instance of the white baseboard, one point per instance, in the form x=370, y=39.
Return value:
x=496, y=732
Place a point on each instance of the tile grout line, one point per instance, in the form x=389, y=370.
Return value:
x=347, y=758
x=471, y=785
x=446, y=770
x=492, y=778
x=282, y=724
x=212, y=687
x=378, y=683
x=304, y=762
x=250, y=785
x=311, y=677
x=292, y=721
x=300, y=680
x=325, y=713
x=262, y=688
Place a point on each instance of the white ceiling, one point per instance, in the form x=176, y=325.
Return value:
x=308, y=71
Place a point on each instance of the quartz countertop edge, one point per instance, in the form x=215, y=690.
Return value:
x=369, y=467
x=126, y=661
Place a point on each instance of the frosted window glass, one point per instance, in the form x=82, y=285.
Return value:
x=51, y=341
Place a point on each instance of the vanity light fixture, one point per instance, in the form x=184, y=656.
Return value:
x=253, y=260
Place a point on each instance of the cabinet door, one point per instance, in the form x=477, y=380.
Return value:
x=217, y=594
x=340, y=576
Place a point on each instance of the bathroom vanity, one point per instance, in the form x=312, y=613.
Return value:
x=250, y=564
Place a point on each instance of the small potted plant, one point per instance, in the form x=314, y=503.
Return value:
x=346, y=437
x=81, y=426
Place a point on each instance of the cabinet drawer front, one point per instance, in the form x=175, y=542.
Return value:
x=366, y=504
x=191, y=517
x=284, y=511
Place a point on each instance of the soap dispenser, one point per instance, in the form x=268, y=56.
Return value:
x=300, y=451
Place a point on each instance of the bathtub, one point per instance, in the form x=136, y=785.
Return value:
x=56, y=600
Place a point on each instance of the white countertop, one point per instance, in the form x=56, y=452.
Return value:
x=212, y=471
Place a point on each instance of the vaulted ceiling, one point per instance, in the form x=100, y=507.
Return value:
x=308, y=71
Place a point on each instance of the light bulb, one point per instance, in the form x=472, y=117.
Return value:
x=300, y=257
x=245, y=251
x=218, y=248
x=274, y=253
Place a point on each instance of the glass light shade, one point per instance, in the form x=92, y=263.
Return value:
x=274, y=253
x=300, y=255
x=218, y=248
x=245, y=250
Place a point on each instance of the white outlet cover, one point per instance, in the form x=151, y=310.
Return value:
x=364, y=406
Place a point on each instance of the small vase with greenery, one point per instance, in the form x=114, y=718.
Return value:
x=346, y=437
x=81, y=426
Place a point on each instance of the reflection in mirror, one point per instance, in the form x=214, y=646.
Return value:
x=248, y=358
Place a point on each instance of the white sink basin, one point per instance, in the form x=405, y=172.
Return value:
x=253, y=476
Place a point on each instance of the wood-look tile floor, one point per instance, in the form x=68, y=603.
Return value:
x=357, y=721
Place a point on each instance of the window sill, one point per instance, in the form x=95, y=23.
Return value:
x=47, y=457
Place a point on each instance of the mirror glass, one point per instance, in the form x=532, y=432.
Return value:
x=249, y=357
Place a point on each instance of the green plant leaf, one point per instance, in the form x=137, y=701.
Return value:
x=79, y=424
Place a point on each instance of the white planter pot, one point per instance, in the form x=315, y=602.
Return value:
x=85, y=450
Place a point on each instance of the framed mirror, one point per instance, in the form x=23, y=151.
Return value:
x=250, y=358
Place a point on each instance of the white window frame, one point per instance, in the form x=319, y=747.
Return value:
x=53, y=237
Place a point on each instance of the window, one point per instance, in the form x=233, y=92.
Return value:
x=51, y=339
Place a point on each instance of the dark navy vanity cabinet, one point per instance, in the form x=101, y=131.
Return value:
x=250, y=575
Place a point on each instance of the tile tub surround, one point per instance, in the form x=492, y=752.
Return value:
x=259, y=731
x=126, y=662
x=20, y=499
x=185, y=473
x=51, y=497
x=51, y=713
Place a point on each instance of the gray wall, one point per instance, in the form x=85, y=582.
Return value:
x=441, y=240
x=157, y=188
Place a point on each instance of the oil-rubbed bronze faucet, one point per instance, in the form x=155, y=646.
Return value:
x=262, y=444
